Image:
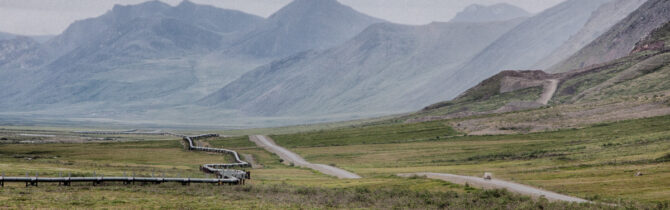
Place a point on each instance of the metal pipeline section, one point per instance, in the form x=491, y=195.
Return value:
x=221, y=169
x=225, y=175
x=127, y=180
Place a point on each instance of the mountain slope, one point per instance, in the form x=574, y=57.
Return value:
x=13, y=49
x=303, y=25
x=601, y=20
x=621, y=38
x=520, y=48
x=137, y=54
x=368, y=74
x=630, y=87
x=5, y=36
x=496, y=12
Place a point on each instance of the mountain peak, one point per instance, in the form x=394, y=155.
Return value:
x=305, y=25
x=146, y=9
x=186, y=3
x=299, y=8
x=496, y=12
x=151, y=6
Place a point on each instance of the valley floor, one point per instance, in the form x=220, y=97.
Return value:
x=597, y=163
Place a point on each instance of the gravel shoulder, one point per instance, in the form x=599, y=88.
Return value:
x=498, y=184
x=290, y=157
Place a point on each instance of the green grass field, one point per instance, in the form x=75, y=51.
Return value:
x=596, y=163
x=378, y=134
x=275, y=186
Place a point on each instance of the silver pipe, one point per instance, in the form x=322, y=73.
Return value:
x=117, y=179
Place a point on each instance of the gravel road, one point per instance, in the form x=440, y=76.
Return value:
x=290, y=157
x=548, y=92
x=498, y=184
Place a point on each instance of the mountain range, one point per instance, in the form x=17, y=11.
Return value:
x=384, y=71
x=312, y=59
x=371, y=71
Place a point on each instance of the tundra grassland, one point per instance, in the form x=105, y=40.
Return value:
x=273, y=186
x=598, y=162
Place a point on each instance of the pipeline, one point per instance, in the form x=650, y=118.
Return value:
x=223, y=171
x=66, y=181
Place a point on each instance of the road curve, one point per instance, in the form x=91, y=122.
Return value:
x=550, y=88
x=499, y=184
x=290, y=157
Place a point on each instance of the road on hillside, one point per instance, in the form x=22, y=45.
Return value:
x=290, y=157
x=498, y=184
x=548, y=92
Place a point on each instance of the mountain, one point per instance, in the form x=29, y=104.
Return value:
x=303, y=25
x=137, y=53
x=520, y=48
x=42, y=38
x=621, y=38
x=13, y=49
x=5, y=36
x=496, y=12
x=601, y=20
x=368, y=74
x=633, y=86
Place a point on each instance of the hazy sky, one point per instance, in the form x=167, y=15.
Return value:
x=38, y=17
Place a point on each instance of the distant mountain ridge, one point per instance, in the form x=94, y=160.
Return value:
x=5, y=36
x=601, y=20
x=101, y=59
x=630, y=87
x=520, y=48
x=312, y=60
x=370, y=72
x=492, y=13
x=621, y=38
x=153, y=57
x=304, y=25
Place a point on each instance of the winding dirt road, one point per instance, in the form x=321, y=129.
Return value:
x=290, y=157
x=548, y=92
x=498, y=184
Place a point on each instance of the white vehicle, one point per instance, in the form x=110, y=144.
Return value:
x=488, y=176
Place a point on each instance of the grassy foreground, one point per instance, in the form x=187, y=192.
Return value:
x=596, y=163
x=274, y=186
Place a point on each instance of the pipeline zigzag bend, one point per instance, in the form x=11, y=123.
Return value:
x=224, y=172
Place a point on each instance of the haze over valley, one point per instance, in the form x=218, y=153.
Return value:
x=310, y=61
